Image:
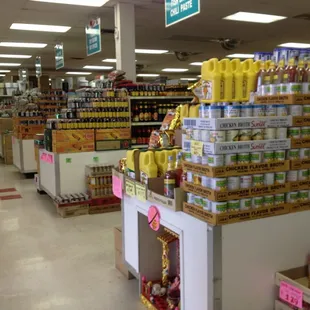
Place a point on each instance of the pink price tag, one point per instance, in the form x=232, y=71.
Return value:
x=117, y=187
x=154, y=218
x=50, y=158
x=291, y=294
x=43, y=157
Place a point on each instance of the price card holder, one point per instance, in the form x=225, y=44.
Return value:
x=141, y=192
x=130, y=188
x=291, y=294
x=197, y=148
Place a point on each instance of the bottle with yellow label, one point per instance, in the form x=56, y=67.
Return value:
x=161, y=159
x=148, y=167
x=130, y=163
x=249, y=78
x=194, y=110
x=211, y=81
x=226, y=80
x=237, y=80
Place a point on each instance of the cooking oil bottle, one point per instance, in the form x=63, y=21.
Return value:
x=226, y=80
x=237, y=80
x=249, y=79
x=130, y=163
x=161, y=159
x=194, y=110
x=148, y=167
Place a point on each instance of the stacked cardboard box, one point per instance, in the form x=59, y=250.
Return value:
x=7, y=148
x=6, y=124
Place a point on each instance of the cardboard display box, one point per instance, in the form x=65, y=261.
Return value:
x=113, y=134
x=76, y=136
x=73, y=208
x=104, y=208
x=8, y=157
x=73, y=147
x=107, y=145
x=300, y=164
x=6, y=124
x=286, y=99
x=300, y=143
x=301, y=121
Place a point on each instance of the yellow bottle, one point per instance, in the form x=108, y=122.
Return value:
x=184, y=111
x=148, y=168
x=268, y=63
x=211, y=81
x=194, y=110
x=161, y=159
x=237, y=82
x=257, y=64
x=131, y=159
x=226, y=80
x=175, y=153
x=249, y=78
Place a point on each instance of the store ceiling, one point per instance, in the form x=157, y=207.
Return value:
x=191, y=36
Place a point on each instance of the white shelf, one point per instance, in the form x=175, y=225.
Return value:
x=161, y=97
x=146, y=124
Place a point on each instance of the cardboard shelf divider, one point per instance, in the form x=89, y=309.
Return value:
x=299, y=121
x=300, y=143
x=283, y=99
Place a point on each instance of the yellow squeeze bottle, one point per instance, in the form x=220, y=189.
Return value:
x=161, y=159
x=226, y=80
x=211, y=81
x=148, y=168
x=237, y=80
x=130, y=163
x=249, y=78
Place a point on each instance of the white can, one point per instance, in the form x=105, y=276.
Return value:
x=218, y=207
x=219, y=184
x=198, y=201
x=270, y=133
x=258, y=134
x=245, y=204
x=294, y=88
x=306, y=110
x=217, y=136
x=196, y=159
x=256, y=157
x=295, y=110
x=280, y=177
x=258, y=110
x=293, y=154
x=245, y=135
x=305, y=132
x=268, y=156
x=189, y=177
x=269, y=178
x=292, y=176
x=268, y=200
x=232, y=135
x=215, y=111
x=281, y=133
x=205, y=135
x=303, y=195
x=292, y=197
x=305, y=88
x=283, y=89
x=257, y=180
x=246, y=111
x=204, y=159
x=233, y=205
x=303, y=175
x=282, y=110
x=230, y=159
x=190, y=198
x=304, y=153
x=294, y=132
x=246, y=181
x=271, y=110
x=215, y=160
x=197, y=134
x=206, y=204
x=243, y=158
x=231, y=111
x=233, y=183
x=279, y=199
x=205, y=181
x=257, y=202
x=279, y=155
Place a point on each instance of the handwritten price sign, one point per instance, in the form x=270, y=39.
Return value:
x=291, y=294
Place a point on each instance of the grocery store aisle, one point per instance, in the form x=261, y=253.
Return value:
x=52, y=263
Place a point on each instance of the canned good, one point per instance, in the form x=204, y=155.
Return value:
x=303, y=195
x=233, y=205
x=197, y=179
x=279, y=155
x=303, y=175
x=205, y=135
x=197, y=134
x=305, y=132
x=294, y=132
x=292, y=197
x=268, y=201
x=269, y=133
x=233, y=183
x=217, y=136
x=280, y=177
x=187, y=156
x=190, y=177
x=215, y=160
x=292, y=176
x=246, y=111
x=246, y=181
x=257, y=180
x=232, y=135
x=258, y=110
x=196, y=159
x=257, y=202
x=293, y=154
x=304, y=153
x=245, y=204
x=268, y=156
x=206, y=204
x=205, y=181
x=198, y=201
x=256, y=157
x=305, y=88
x=215, y=111
x=269, y=178
x=231, y=111
x=294, y=88
x=281, y=133
x=219, y=184
x=203, y=111
x=230, y=159
x=189, y=133
x=295, y=110
x=283, y=89
x=218, y=206
x=243, y=158
x=190, y=198
x=204, y=160
x=306, y=110
x=245, y=134
x=257, y=134
x=282, y=110
x=271, y=110
x=279, y=199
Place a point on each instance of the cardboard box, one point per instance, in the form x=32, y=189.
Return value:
x=113, y=134
x=72, y=211
x=73, y=147
x=236, y=194
x=300, y=143
x=6, y=124
x=237, y=170
x=300, y=164
x=234, y=217
x=300, y=206
x=104, y=209
x=75, y=136
x=286, y=99
x=8, y=157
x=297, y=277
x=301, y=121
x=107, y=145
x=7, y=141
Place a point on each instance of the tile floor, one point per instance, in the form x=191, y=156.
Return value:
x=50, y=263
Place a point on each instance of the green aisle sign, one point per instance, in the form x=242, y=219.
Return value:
x=59, y=56
x=38, y=66
x=93, y=37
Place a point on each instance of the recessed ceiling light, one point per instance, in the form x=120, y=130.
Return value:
x=295, y=45
x=5, y=71
x=109, y=60
x=240, y=55
x=254, y=17
x=50, y=79
x=146, y=51
x=35, y=27
x=174, y=70
x=98, y=67
x=196, y=63
x=9, y=64
x=188, y=79
x=20, y=44
x=78, y=73
x=15, y=56
x=96, y=3
x=147, y=74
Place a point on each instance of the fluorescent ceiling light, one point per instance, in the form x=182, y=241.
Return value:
x=96, y=3
x=35, y=27
x=174, y=70
x=146, y=51
x=78, y=73
x=199, y=75
x=254, y=17
x=2, y=74
x=147, y=74
x=109, y=60
x=240, y=55
x=196, y=63
x=5, y=71
x=21, y=44
x=9, y=64
x=188, y=79
x=295, y=45
x=98, y=67
x=15, y=56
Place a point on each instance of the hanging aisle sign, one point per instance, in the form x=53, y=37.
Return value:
x=59, y=56
x=38, y=66
x=93, y=37
x=178, y=10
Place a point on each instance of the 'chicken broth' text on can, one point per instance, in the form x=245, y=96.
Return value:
x=258, y=110
x=215, y=111
x=271, y=110
x=282, y=110
x=231, y=111
x=246, y=111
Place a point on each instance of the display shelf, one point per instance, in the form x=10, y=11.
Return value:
x=161, y=97
x=146, y=123
x=283, y=99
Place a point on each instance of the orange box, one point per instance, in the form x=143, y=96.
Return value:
x=74, y=136
x=73, y=147
x=113, y=134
